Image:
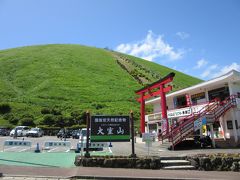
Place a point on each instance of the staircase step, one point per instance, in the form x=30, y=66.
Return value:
x=173, y=158
x=165, y=145
x=175, y=162
x=185, y=167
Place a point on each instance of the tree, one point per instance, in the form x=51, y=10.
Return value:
x=79, y=117
x=56, y=111
x=27, y=121
x=5, y=108
x=70, y=121
x=48, y=119
x=14, y=120
x=46, y=111
x=60, y=121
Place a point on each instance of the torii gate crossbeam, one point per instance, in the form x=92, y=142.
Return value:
x=154, y=89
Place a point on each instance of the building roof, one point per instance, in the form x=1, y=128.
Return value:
x=232, y=76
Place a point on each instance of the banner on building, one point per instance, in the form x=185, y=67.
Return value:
x=204, y=126
x=198, y=124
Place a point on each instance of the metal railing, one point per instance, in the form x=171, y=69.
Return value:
x=186, y=127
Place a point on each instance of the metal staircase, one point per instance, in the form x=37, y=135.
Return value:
x=213, y=110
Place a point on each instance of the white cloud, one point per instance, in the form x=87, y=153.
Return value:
x=183, y=35
x=215, y=70
x=201, y=63
x=150, y=48
x=209, y=70
x=226, y=69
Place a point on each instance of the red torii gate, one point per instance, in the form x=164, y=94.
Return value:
x=159, y=89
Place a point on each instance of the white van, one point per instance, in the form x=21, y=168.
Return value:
x=21, y=131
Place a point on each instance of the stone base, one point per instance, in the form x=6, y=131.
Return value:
x=228, y=143
x=217, y=162
x=119, y=162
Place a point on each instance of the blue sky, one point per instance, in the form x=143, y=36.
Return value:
x=200, y=38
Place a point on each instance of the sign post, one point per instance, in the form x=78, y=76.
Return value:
x=132, y=134
x=148, y=138
x=87, y=154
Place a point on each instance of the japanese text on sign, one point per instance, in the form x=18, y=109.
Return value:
x=110, y=128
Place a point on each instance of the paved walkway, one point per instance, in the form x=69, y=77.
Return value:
x=117, y=173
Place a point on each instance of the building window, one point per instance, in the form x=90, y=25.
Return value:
x=229, y=124
x=236, y=124
x=197, y=98
x=220, y=93
x=180, y=101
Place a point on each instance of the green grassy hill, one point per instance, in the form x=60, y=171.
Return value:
x=74, y=78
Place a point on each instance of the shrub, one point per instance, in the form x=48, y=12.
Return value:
x=27, y=116
x=5, y=108
x=14, y=120
x=56, y=112
x=8, y=116
x=77, y=126
x=48, y=119
x=46, y=111
x=79, y=117
x=60, y=121
x=53, y=111
x=98, y=106
x=70, y=121
x=27, y=121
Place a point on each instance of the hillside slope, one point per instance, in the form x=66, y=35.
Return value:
x=73, y=77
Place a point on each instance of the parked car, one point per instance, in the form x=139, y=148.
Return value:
x=4, y=131
x=35, y=132
x=83, y=139
x=20, y=131
x=76, y=134
x=83, y=135
x=64, y=132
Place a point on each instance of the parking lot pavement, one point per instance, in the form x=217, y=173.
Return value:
x=40, y=141
x=118, y=148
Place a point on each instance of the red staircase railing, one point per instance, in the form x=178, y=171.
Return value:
x=214, y=109
x=223, y=107
x=185, y=120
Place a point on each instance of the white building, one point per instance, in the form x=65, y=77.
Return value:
x=216, y=102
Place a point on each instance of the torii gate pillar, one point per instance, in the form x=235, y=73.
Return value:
x=142, y=112
x=159, y=89
x=163, y=104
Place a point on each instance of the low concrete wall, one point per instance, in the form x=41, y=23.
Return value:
x=221, y=143
x=216, y=162
x=119, y=162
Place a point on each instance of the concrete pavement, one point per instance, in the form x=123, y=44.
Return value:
x=112, y=173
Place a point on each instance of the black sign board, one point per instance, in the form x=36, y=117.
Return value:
x=110, y=128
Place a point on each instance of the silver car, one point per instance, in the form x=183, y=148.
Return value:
x=35, y=132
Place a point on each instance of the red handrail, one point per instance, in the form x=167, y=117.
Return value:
x=186, y=125
x=175, y=131
x=191, y=117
